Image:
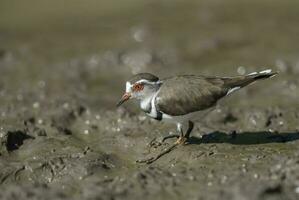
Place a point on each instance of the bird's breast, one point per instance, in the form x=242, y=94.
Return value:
x=149, y=107
x=145, y=105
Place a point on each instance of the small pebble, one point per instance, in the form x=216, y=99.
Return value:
x=36, y=105
x=223, y=179
x=65, y=105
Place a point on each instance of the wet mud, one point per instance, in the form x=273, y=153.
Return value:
x=62, y=136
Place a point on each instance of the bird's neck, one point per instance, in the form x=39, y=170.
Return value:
x=145, y=103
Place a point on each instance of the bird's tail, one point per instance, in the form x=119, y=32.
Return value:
x=238, y=82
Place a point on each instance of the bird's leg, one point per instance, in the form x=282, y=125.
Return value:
x=181, y=140
x=155, y=143
x=170, y=136
x=180, y=130
x=153, y=159
x=190, y=128
x=181, y=137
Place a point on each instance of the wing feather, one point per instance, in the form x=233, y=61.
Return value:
x=185, y=94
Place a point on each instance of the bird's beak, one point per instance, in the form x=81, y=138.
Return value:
x=124, y=98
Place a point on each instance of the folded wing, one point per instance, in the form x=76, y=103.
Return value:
x=185, y=94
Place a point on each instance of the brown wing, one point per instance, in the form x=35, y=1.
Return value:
x=184, y=94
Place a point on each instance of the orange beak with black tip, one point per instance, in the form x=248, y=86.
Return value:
x=124, y=98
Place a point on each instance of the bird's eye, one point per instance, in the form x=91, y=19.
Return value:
x=138, y=87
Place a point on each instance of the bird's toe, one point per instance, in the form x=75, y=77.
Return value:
x=146, y=160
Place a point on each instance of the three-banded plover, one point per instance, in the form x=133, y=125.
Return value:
x=179, y=99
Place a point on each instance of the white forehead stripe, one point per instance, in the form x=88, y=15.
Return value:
x=128, y=86
x=149, y=82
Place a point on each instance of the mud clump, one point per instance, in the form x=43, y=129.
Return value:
x=15, y=139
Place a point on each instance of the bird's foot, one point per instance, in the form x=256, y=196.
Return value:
x=153, y=159
x=155, y=143
x=181, y=140
x=147, y=160
x=169, y=137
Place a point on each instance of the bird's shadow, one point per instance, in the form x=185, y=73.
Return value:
x=245, y=138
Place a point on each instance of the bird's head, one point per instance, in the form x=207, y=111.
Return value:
x=140, y=86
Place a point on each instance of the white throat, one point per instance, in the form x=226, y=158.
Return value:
x=145, y=103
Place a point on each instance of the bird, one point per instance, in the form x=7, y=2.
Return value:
x=179, y=99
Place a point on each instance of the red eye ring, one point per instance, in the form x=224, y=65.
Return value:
x=138, y=87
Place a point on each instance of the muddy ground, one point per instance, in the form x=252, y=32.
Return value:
x=63, y=67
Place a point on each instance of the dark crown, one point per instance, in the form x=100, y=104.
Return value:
x=146, y=76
